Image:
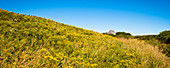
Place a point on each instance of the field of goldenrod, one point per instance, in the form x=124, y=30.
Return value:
x=30, y=41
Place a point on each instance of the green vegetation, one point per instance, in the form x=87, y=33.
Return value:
x=121, y=35
x=146, y=37
x=30, y=41
x=164, y=37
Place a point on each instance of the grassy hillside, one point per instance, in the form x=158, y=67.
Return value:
x=30, y=41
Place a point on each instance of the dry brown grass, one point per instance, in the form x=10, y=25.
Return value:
x=148, y=52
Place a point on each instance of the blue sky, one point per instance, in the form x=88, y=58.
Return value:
x=139, y=17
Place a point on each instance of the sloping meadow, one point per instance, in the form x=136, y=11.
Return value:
x=30, y=41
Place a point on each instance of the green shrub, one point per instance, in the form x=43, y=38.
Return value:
x=164, y=37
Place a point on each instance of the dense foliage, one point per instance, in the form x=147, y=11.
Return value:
x=164, y=37
x=146, y=37
x=120, y=35
x=30, y=41
x=123, y=33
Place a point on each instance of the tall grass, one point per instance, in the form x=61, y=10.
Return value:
x=151, y=55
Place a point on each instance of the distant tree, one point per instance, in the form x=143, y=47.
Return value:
x=128, y=34
x=121, y=33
